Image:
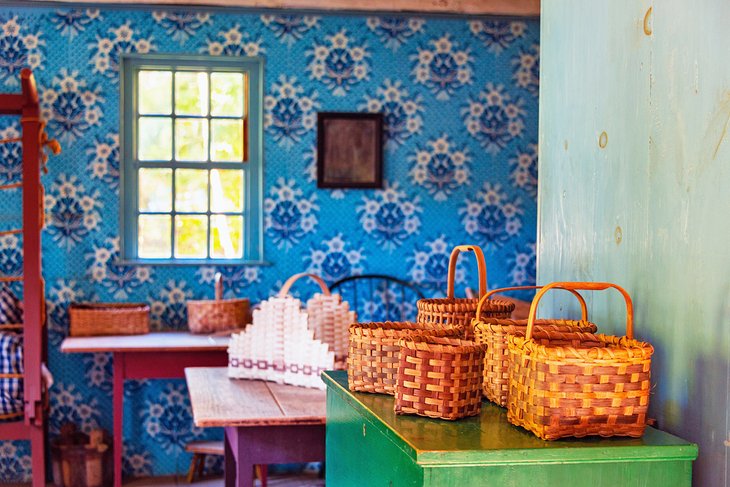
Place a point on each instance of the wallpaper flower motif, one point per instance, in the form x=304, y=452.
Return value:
x=443, y=67
x=393, y=32
x=493, y=119
x=69, y=405
x=71, y=212
x=11, y=157
x=339, y=62
x=119, y=280
x=167, y=308
x=527, y=69
x=21, y=46
x=441, y=168
x=290, y=214
x=70, y=106
x=11, y=256
x=167, y=419
x=402, y=113
x=181, y=26
x=98, y=370
x=71, y=23
x=524, y=169
x=15, y=462
x=290, y=111
x=237, y=280
x=492, y=215
x=136, y=461
x=431, y=263
x=497, y=35
x=58, y=297
x=290, y=28
x=234, y=43
x=333, y=259
x=104, y=160
x=110, y=44
x=522, y=261
x=390, y=216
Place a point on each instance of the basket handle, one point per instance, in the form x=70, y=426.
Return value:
x=583, y=286
x=218, y=279
x=290, y=282
x=481, y=265
x=583, y=307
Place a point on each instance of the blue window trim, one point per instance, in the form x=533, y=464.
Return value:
x=253, y=251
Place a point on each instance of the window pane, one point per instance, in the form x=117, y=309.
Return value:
x=226, y=237
x=226, y=94
x=154, y=89
x=155, y=139
x=191, y=93
x=227, y=143
x=191, y=236
x=153, y=240
x=155, y=190
x=191, y=139
x=226, y=190
x=191, y=190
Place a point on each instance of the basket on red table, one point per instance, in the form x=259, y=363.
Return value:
x=450, y=311
x=493, y=333
x=568, y=383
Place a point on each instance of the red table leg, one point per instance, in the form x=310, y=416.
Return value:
x=118, y=413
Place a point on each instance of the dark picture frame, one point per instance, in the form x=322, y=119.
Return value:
x=349, y=150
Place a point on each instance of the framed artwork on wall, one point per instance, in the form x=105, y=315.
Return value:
x=349, y=150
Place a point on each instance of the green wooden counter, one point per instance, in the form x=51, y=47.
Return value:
x=368, y=445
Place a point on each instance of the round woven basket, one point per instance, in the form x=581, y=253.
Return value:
x=461, y=311
x=372, y=362
x=218, y=315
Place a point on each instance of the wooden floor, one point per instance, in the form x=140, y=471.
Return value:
x=300, y=480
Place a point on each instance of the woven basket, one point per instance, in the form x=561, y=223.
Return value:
x=96, y=319
x=439, y=377
x=565, y=384
x=372, y=363
x=461, y=311
x=493, y=333
x=213, y=316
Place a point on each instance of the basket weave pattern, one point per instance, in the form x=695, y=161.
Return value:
x=439, y=377
x=96, y=319
x=372, y=362
x=211, y=316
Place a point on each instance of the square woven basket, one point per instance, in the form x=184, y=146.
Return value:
x=96, y=319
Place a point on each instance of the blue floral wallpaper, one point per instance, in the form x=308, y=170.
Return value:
x=459, y=97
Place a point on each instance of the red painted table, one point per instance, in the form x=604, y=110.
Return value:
x=153, y=356
x=264, y=422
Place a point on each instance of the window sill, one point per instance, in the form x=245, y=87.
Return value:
x=191, y=262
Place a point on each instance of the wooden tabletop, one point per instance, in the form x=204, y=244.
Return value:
x=172, y=341
x=219, y=401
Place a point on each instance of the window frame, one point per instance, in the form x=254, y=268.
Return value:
x=253, y=167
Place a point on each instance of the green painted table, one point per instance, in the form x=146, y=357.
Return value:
x=368, y=445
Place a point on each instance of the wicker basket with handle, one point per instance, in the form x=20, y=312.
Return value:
x=493, y=333
x=461, y=311
x=96, y=319
x=212, y=316
x=439, y=377
x=372, y=363
x=567, y=383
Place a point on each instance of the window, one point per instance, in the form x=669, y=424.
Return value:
x=192, y=171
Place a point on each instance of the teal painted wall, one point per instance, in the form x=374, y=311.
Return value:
x=651, y=209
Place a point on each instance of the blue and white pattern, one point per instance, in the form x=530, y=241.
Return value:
x=71, y=212
x=290, y=214
x=393, y=32
x=390, y=216
x=21, y=46
x=524, y=169
x=440, y=167
x=443, y=67
x=401, y=111
x=339, y=61
x=71, y=23
x=492, y=216
x=290, y=28
x=71, y=106
x=290, y=111
x=334, y=259
x=233, y=42
x=15, y=462
x=11, y=256
x=167, y=419
x=498, y=35
x=109, y=45
x=181, y=26
x=406, y=229
x=493, y=118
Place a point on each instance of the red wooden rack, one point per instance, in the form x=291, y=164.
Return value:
x=32, y=426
